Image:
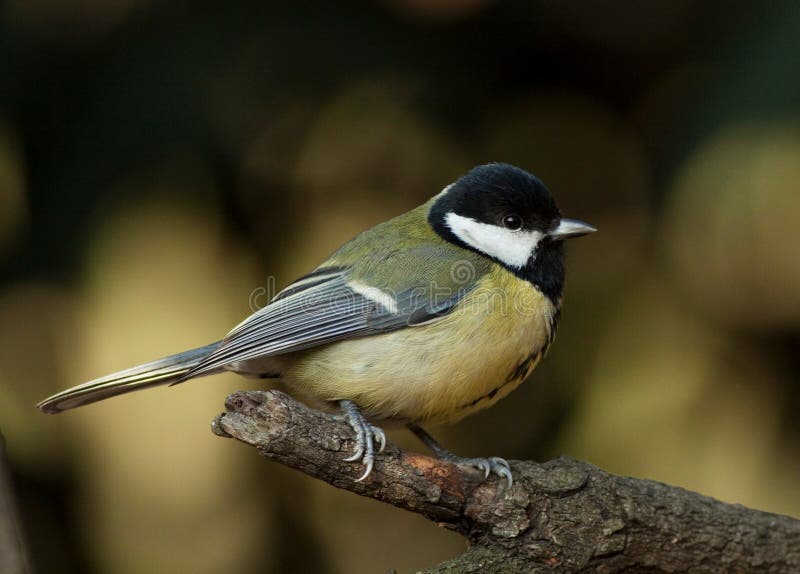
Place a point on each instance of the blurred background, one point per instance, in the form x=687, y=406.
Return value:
x=161, y=161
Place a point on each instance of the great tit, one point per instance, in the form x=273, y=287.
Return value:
x=423, y=319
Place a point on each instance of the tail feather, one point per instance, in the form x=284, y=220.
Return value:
x=160, y=372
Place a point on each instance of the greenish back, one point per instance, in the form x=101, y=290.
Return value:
x=405, y=253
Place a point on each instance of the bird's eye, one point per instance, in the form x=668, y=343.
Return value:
x=512, y=221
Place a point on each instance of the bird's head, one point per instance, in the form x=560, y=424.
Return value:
x=502, y=212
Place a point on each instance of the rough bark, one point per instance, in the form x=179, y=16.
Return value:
x=560, y=516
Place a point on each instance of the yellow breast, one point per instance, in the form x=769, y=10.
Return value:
x=441, y=371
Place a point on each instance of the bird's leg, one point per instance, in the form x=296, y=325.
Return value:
x=493, y=464
x=366, y=435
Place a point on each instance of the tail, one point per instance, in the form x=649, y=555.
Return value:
x=161, y=372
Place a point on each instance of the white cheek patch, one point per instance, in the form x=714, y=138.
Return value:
x=513, y=248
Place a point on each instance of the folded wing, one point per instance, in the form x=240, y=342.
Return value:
x=320, y=308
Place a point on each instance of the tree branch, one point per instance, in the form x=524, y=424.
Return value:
x=560, y=516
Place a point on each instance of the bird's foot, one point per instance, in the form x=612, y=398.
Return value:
x=366, y=435
x=491, y=465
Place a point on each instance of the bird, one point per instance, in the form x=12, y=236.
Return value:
x=423, y=319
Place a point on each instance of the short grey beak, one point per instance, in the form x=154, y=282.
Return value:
x=571, y=228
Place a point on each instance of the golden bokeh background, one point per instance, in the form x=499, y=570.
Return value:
x=161, y=162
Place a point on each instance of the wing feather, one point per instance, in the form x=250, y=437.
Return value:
x=317, y=309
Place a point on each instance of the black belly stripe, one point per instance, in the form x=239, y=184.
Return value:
x=553, y=328
x=490, y=395
x=519, y=371
x=522, y=368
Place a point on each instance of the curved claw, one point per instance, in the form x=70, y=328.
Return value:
x=496, y=460
x=361, y=440
x=493, y=465
x=505, y=472
x=356, y=456
x=380, y=436
x=485, y=466
x=369, y=463
x=366, y=435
